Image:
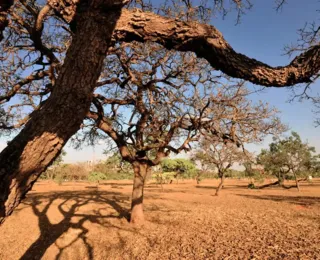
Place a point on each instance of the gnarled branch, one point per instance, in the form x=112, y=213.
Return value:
x=207, y=42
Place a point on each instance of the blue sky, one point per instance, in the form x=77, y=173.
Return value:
x=262, y=34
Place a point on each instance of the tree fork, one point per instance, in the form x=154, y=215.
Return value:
x=48, y=130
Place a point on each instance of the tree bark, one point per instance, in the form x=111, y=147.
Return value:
x=222, y=177
x=296, y=180
x=208, y=43
x=270, y=184
x=4, y=7
x=140, y=174
x=49, y=128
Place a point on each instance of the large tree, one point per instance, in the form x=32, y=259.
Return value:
x=72, y=76
x=164, y=102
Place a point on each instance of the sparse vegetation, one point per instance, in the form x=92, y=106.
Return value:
x=165, y=94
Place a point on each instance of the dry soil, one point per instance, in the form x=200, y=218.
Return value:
x=183, y=221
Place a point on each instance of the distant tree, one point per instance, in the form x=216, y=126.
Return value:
x=184, y=168
x=204, y=168
x=288, y=156
x=50, y=173
x=59, y=159
x=220, y=156
x=116, y=163
x=253, y=171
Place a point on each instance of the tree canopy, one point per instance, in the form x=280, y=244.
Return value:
x=289, y=156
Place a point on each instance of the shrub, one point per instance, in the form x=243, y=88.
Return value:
x=96, y=176
x=164, y=177
x=58, y=179
x=251, y=186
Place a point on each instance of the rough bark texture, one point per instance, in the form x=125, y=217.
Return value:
x=220, y=184
x=4, y=7
x=140, y=174
x=49, y=128
x=207, y=42
x=203, y=39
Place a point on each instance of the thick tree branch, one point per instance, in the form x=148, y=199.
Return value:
x=117, y=138
x=207, y=42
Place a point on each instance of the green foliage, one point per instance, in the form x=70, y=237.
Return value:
x=182, y=167
x=289, y=157
x=251, y=186
x=231, y=173
x=96, y=176
x=118, y=175
x=59, y=159
x=164, y=177
x=114, y=163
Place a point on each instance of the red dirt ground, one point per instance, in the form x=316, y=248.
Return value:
x=184, y=221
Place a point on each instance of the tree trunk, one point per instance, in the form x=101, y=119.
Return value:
x=296, y=180
x=140, y=173
x=270, y=184
x=281, y=180
x=221, y=184
x=49, y=128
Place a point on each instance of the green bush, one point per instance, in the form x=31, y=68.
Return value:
x=96, y=176
x=251, y=186
x=119, y=175
x=164, y=177
x=182, y=168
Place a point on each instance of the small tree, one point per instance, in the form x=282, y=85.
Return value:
x=219, y=156
x=181, y=167
x=288, y=156
x=253, y=173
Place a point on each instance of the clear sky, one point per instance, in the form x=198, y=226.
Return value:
x=262, y=34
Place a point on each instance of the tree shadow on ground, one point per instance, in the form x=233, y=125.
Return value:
x=228, y=187
x=115, y=184
x=68, y=204
x=298, y=200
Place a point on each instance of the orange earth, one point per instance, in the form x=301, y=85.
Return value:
x=183, y=221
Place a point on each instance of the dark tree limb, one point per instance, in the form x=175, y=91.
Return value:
x=207, y=42
x=4, y=8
